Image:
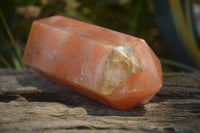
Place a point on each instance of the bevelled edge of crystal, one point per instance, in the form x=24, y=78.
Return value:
x=121, y=64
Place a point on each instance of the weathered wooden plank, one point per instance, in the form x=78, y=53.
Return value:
x=30, y=103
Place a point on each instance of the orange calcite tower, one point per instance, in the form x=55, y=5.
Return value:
x=113, y=68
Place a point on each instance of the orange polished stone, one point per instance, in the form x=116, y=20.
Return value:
x=113, y=68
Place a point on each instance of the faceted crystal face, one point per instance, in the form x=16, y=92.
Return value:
x=116, y=69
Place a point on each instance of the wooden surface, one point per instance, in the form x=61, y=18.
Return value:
x=30, y=103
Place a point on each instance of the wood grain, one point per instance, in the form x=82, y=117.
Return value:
x=30, y=103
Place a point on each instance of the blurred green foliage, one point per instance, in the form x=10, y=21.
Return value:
x=134, y=17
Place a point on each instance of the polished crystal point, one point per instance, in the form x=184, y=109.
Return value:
x=113, y=68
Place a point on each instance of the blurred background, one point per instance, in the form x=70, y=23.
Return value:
x=171, y=28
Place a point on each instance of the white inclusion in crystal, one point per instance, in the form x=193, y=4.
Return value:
x=51, y=56
x=124, y=90
x=75, y=81
x=83, y=69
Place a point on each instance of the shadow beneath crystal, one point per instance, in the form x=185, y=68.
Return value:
x=46, y=91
